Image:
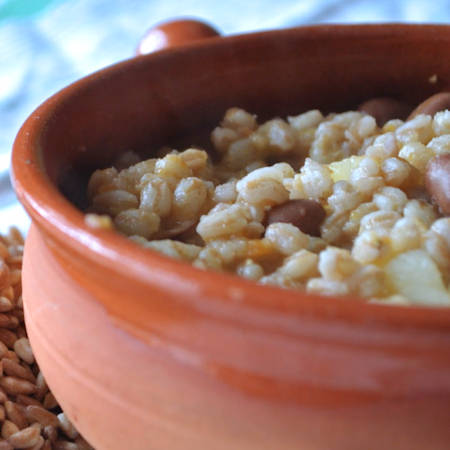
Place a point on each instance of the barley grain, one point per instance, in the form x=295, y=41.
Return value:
x=5, y=304
x=23, y=349
x=364, y=179
x=66, y=426
x=41, y=415
x=24, y=395
x=26, y=438
x=14, y=369
x=15, y=414
x=5, y=445
x=50, y=401
x=14, y=386
x=8, y=429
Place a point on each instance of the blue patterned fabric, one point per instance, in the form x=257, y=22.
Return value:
x=46, y=44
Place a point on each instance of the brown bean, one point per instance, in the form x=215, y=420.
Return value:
x=307, y=215
x=384, y=109
x=432, y=105
x=437, y=181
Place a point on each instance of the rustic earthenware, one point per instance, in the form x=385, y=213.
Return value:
x=145, y=352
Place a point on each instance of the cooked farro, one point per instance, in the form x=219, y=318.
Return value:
x=366, y=221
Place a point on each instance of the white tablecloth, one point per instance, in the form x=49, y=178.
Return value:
x=46, y=44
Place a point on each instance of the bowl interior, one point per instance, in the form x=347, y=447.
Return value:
x=176, y=97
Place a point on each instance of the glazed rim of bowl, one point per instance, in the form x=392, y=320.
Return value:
x=62, y=223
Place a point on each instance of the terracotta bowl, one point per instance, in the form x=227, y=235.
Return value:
x=144, y=352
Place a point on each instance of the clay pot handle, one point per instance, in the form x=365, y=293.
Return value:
x=174, y=33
